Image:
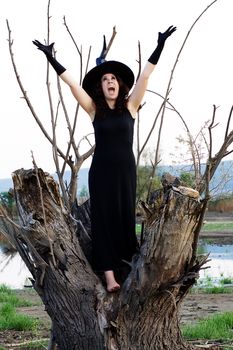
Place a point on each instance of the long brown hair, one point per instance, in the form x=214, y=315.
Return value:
x=100, y=102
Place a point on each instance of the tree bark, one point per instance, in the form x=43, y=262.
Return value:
x=144, y=314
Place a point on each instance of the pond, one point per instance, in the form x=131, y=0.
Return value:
x=13, y=271
x=15, y=274
x=221, y=264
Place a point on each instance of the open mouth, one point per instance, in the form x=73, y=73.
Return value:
x=111, y=89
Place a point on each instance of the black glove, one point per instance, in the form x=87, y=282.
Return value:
x=48, y=51
x=161, y=41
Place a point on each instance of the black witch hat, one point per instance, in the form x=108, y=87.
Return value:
x=103, y=67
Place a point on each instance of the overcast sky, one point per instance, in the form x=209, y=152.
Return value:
x=203, y=76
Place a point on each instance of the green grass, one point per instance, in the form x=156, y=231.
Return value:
x=218, y=327
x=138, y=228
x=218, y=226
x=9, y=319
x=221, y=226
x=226, y=280
x=43, y=344
x=217, y=290
x=212, y=289
x=7, y=295
x=208, y=286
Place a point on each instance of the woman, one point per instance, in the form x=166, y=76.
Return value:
x=104, y=95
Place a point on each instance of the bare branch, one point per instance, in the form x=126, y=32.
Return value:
x=110, y=41
x=152, y=128
x=174, y=67
x=169, y=89
x=56, y=161
x=214, y=161
x=139, y=60
x=210, y=132
x=25, y=93
x=228, y=122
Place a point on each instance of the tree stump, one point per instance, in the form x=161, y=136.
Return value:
x=144, y=314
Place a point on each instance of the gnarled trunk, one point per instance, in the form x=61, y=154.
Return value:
x=144, y=314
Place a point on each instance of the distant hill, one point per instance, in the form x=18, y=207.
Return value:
x=82, y=178
x=222, y=182
x=5, y=184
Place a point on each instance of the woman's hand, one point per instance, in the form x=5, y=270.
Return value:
x=47, y=49
x=163, y=36
x=161, y=41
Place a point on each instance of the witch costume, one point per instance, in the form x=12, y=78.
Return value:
x=112, y=178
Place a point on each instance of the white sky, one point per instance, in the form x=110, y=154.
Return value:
x=203, y=77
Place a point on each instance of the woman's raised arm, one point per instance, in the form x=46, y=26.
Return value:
x=138, y=92
x=79, y=93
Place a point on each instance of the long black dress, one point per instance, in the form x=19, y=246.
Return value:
x=112, y=187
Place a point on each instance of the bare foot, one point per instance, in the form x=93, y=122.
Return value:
x=114, y=288
x=112, y=285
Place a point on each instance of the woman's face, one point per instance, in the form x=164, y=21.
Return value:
x=110, y=86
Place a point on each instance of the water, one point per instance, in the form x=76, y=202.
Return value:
x=14, y=273
x=221, y=264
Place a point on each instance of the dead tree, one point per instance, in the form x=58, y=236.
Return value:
x=145, y=313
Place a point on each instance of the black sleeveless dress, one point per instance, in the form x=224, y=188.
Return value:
x=112, y=187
